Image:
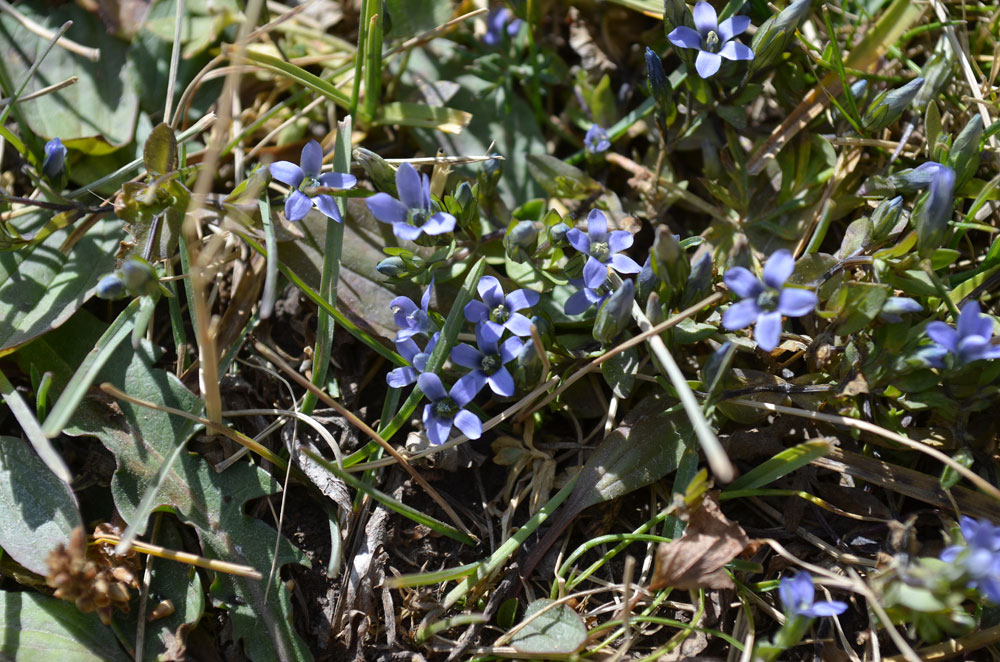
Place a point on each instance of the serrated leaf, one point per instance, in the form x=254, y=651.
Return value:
x=159, y=154
x=37, y=510
x=40, y=629
x=558, y=631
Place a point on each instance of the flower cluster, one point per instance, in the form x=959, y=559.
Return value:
x=306, y=177
x=979, y=557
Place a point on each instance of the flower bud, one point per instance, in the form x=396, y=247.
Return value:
x=379, y=171
x=937, y=74
x=964, y=155
x=557, y=235
x=464, y=195
x=55, y=159
x=885, y=217
x=660, y=88
x=670, y=263
x=111, y=287
x=700, y=280
x=615, y=314
x=527, y=369
x=139, y=276
x=647, y=282
x=775, y=35
x=713, y=373
x=520, y=241
x=392, y=267
x=711, y=163
x=888, y=105
x=932, y=212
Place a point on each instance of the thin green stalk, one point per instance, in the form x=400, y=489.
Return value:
x=33, y=431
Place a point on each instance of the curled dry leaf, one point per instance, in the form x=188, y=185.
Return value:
x=695, y=560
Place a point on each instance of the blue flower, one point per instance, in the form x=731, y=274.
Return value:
x=487, y=362
x=895, y=307
x=307, y=177
x=586, y=297
x=411, y=215
x=596, y=141
x=447, y=409
x=55, y=158
x=417, y=358
x=498, y=311
x=798, y=597
x=979, y=557
x=498, y=19
x=970, y=342
x=410, y=319
x=603, y=248
x=712, y=40
x=765, y=302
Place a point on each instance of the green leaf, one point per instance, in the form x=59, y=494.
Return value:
x=557, y=631
x=40, y=629
x=862, y=304
x=41, y=286
x=780, y=465
x=103, y=103
x=37, y=510
x=559, y=179
x=411, y=17
x=160, y=152
x=619, y=372
x=442, y=118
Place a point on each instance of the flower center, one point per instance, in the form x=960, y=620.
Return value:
x=712, y=41
x=768, y=299
x=417, y=217
x=499, y=314
x=446, y=408
x=490, y=364
x=600, y=250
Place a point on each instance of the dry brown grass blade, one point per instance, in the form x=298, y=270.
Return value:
x=185, y=557
x=273, y=357
x=954, y=647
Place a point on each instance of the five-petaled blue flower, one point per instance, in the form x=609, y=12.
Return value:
x=585, y=297
x=603, y=248
x=447, y=409
x=411, y=215
x=765, y=302
x=307, y=176
x=798, y=597
x=497, y=20
x=979, y=556
x=596, y=141
x=712, y=40
x=498, y=311
x=410, y=319
x=969, y=342
x=487, y=362
x=55, y=158
x=417, y=358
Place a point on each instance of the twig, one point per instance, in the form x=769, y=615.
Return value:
x=72, y=80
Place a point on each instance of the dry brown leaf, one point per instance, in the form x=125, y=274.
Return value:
x=696, y=559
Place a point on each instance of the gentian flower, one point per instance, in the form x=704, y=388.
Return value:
x=446, y=409
x=895, y=307
x=307, y=176
x=498, y=19
x=55, y=158
x=603, y=248
x=979, y=556
x=931, y=214
x=969, y=342
x=798, y=597
x=712, y=40
x=487, y=362
x=412, y=214
x=498, y=311
x=765, y=302
x=586, y=297
x=596, y=141
x=410, y=319
x=417, y=358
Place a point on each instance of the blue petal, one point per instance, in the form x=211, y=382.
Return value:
x=740, y=315
x=597, y=225
x=405, y=231
x=466, y=388
x=594, y=273
x=705, y=18
x=578, y=240
x=623, y=264
x=510, y=348
x=577, y=303
x=287, y=172
x=521, y=299
x=734, y=50
x=326, y=204
x=425, y=298
x=619, y=240
x=490, y=291
x=794, y=302
x=943, y=335
x=297, y=206
x=338, y=180
x=466, y=356
x=796, y=592
x=312, y=159
x=438, y=429
x=972, y=323
x=476, y=311
x=767, y=333
x=778, y=268
x=469, y=424
x=439, y=223
x=409, y=187
x=825, y=609
x=706, y=64
x=488, y=338
x=430, y=385
x=685, y=37
x=502, y=383
x=519, y=325
x=401, y=377
x=386, y=208
x=743, y=283
x=731, y=27
x=407, y=348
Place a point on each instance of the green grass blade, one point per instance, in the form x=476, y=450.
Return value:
x=780, y=465
x=373, y=65
x=29, y=424
x=300, y=76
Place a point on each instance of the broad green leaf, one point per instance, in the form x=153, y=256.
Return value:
x=35, y=628
x=37, y=510
x=619, y=372
x=442, y=118
x=102, y=103
x=41, y=286
x=862, y=304
x=411, y=17
x=557, y=631
x=160, y=152
x=559, y=179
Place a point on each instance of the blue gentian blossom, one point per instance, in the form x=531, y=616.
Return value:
x=971, y=341
x=307, y=176
x=497, y=21
x=447, y=409
x=55, y=158
x=765, y=302
x=585, y=297
x=603, y=248
x=895, y=307
x=411, y=215
x=798, y=597
x=596, y=141
x=417, y=358
x=712, y=40
x=487, y=362
x=498, y=311
x=410, y=319
x=979, y=556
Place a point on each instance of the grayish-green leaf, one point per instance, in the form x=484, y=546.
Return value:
x=558, y=631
